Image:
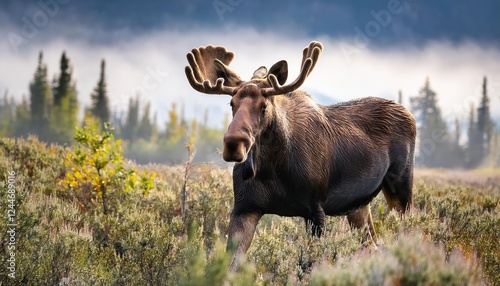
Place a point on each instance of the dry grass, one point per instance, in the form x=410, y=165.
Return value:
x=449, y=238
x=487, y=179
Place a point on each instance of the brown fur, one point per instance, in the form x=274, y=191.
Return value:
x=295, y=157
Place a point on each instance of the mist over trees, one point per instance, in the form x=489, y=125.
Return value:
x=51, y=113
x=481, y=130
x=439, y=145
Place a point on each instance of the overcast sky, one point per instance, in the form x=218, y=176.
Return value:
x=366, y=59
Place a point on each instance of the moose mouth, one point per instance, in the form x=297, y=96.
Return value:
x=248, y=171
x=243, y=159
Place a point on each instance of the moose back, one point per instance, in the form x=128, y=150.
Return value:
x=295, y=157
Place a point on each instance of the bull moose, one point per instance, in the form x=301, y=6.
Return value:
x=295, y=157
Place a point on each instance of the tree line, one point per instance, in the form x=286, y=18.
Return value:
x=51, y=113
x=441, y=146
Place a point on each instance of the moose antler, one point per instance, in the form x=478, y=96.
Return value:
x=310, y=57
x=202, y=72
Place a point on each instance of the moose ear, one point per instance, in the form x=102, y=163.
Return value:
x=230, y=77
x=280, y=71
x=260, y=73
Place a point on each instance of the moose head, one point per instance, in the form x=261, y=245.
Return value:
x=208, y=72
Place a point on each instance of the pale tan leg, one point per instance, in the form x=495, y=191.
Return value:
x=362, y=219
x=392, y=201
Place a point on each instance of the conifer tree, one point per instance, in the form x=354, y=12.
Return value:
x=64, y=114
x=472, y=156
x=7, y=114
x=117, y=121
x=458, y=156
x=154, y=131
x=132, y=120
x=63, y=83
x=145, y=128
x=481, y=128
x=458, y=132
x=22, y=119
x=100, y=102
x=40, y=101
x=434, y=140
x=484, y=123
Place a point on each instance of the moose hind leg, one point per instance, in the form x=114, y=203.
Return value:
x=240, y=235
x=398, y=190
x=362, y=219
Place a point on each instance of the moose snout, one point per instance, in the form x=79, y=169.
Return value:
x=236, y=148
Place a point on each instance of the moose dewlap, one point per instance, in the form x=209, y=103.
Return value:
x=295, y=157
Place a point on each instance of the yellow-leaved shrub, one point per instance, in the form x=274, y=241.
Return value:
x=96, y=174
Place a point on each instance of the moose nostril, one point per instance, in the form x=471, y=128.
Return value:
x=235, y=148
x=233, y=141
x=232, y=145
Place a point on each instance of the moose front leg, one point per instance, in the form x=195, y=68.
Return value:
x=240, y=234
x=362, y=219
x=316, y=221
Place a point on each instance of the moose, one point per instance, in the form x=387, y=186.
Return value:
x=295, y=157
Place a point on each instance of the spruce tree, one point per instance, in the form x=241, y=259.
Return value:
x=100, y=102
x=458, y=132
x=472, y=156
x=145, y=128
x=434, y=139
x=132, y=120
x=154, y=131
x=64, y=114
x=480, y=131
x=458, y=153
x=484, y=123
x=62, y=84
x=40, y=101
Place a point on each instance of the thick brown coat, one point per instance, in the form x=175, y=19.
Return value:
x=295, y=157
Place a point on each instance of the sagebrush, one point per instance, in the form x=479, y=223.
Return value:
x=449, y=238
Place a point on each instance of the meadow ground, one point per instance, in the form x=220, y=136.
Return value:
x=63, y=236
